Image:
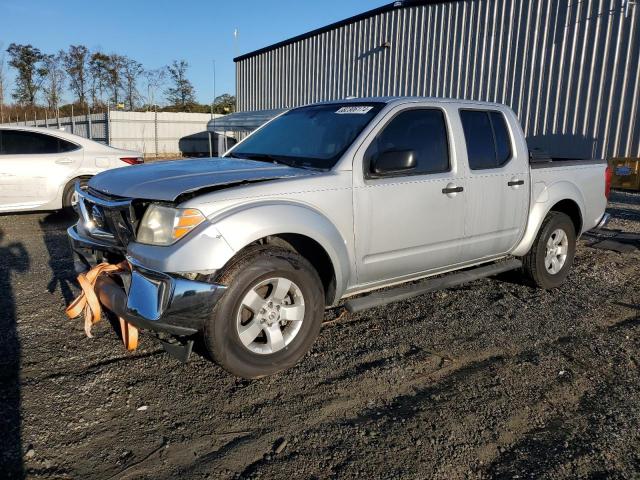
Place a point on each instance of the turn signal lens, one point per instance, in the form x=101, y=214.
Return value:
x=162, y=225
x=187, y=220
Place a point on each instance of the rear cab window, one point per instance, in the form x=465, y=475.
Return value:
x=420, y=130
x=20, y=142
x=487, y=139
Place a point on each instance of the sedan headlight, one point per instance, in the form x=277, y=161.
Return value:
x=162, y=225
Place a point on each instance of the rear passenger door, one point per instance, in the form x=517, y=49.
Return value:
x=412, y=220
x=33, y=167
x=497, y=185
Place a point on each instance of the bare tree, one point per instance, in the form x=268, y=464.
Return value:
x=181, y=93
x=154, y=80
x=76, y=63
x=131, y=70
x=54, y=79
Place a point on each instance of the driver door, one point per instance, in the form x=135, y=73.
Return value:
x=408, y=221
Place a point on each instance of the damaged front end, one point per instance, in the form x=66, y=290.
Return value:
x=171, y=306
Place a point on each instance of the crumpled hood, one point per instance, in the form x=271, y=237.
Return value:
x=168, y=180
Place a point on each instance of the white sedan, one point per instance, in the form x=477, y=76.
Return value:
x=39, y=167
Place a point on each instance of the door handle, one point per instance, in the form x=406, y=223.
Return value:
x=513, y=183
x=452, y=190
x=64, y=161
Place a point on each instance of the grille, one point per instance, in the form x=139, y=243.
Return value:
x=109, y=219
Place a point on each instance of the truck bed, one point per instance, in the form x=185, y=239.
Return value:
x=551, y=162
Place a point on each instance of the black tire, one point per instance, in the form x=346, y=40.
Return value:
x=67, y=194
x=534, y=262
x=221, y=335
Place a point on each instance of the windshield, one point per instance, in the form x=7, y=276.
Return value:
x=309, y=137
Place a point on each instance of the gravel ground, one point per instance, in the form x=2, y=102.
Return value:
x=492, y=379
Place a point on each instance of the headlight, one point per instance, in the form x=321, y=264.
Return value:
x=164, y=225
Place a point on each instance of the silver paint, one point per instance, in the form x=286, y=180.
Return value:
x=380, y=232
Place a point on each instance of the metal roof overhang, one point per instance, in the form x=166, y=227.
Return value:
x=242, y=121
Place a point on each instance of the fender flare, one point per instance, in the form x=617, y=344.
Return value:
x=244, y=224
x=541, y=205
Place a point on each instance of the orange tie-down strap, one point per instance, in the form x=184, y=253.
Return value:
x=89, y=303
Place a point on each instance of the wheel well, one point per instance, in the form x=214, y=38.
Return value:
x=75, y=179
x=70, y=184
x=572, y=210
x=311, y=250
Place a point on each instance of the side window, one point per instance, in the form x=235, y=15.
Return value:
x=503, y=142
x=423, y=133
x=66, y=146
x=487, y=139
x=17, y=142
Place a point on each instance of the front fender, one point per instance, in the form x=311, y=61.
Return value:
x=244, y=224
x=544, y=197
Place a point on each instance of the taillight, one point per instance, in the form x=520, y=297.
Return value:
x=608, y=173
x=132, y=160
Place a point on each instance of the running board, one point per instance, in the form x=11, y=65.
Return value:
x=430, y=285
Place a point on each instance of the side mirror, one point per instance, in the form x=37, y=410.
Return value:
x=394, y=161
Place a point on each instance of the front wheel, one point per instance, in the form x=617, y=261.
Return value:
x=548, y=262
x=269, y=316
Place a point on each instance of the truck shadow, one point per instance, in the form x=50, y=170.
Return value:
x=54, y=233
x=13, y=259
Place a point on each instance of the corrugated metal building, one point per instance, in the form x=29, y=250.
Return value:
x=569, y=68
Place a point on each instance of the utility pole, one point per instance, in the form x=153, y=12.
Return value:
x=236, y=34
x=212, y=135
x=214, y=86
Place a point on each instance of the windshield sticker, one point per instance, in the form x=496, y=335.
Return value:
x=358, y=110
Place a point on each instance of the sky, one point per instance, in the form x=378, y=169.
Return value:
x=157, y=32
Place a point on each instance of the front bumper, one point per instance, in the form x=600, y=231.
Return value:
x=148, y=299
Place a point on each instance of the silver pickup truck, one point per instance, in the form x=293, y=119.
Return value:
x=325, y=202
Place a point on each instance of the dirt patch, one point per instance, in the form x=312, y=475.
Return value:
x=491, y=379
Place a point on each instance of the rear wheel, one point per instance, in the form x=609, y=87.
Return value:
x=548, y=262
x=269, y=316
x=69, y=196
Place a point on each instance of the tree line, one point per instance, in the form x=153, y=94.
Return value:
x=96, y=80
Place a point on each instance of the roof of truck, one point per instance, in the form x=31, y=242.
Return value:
x=250, y=120
x=402, y=99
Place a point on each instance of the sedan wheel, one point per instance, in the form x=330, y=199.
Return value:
x=74, y=199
